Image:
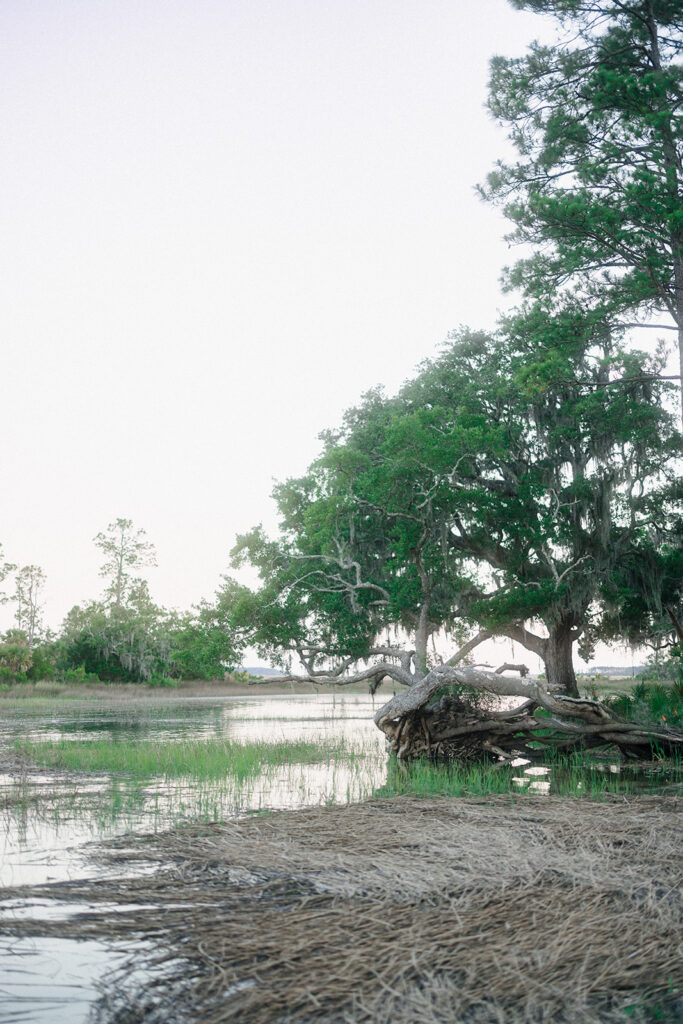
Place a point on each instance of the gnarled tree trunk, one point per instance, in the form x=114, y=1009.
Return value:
x=555, y=651
x=421, y=722
x=558, y=661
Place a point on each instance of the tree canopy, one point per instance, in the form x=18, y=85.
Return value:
x=124, y=548
x=498, y=487
x=597, y=189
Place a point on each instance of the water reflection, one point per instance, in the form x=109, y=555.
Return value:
x=46, y=818
x=527, y=780
x=52, y=981
x=185, y=717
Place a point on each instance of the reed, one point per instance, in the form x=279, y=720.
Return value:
x=394, y=912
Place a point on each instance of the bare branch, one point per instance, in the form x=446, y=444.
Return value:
x=508, y=666
x=482, y=635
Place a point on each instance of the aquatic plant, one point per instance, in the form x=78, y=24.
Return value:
x=199, y=758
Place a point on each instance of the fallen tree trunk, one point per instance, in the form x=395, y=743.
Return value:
x=422, y=722
x=432, y=719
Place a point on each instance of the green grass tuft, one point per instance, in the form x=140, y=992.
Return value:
x=424, y=778
x=576, y=775
x=198, y=758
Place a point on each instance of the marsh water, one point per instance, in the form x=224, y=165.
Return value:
x=51, y=821
x=46, y=817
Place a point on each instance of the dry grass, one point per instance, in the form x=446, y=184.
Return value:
x=48, y=689
x=404, y=911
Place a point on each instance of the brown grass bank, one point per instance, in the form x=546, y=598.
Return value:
x=49, y=689
x=402, y=911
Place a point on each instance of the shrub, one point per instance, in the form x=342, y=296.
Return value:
x=653, y=703
x=165, y=681
x=79, y=675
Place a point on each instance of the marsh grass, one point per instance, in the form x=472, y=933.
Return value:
x=92, y=784
x=424, y=778
x=245, y=766
x=399, y=911
x=203, y=758
x=577, y=775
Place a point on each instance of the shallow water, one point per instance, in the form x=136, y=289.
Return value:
x=242, y=718
x=49, y=980
x=48, y=818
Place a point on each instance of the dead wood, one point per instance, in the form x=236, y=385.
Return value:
x=422, y=722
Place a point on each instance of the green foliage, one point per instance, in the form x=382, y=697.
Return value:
x=651, y=703
x=597, y=188
x=15, y=656
x=21, y=662
x=494, y=488
x=645, y=593
x=142, y=642
x=44, y=657
x=126, y=644
x=79, y=675
x=203, y=647
x=163, y=682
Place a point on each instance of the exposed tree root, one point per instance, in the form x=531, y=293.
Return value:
x=423, y=720
x=421, y=723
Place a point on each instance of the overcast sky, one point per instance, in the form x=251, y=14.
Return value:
x=222, y=221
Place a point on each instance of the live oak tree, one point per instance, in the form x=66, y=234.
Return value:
x=550, y=490
x=496, y=490
x=597, y=188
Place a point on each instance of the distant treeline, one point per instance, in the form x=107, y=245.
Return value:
x=122, y=636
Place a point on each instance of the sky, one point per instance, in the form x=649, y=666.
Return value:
x=222, y=221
